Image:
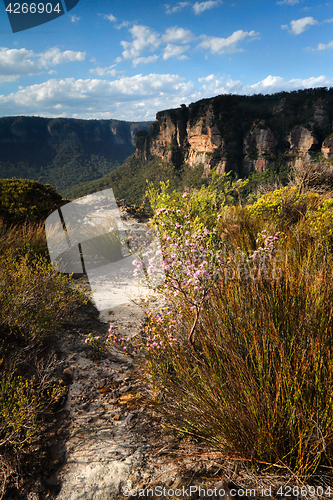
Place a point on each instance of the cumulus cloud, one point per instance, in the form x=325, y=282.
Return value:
x=110, y=17
x=273, y=84
x=214, y=85
x=300, y=25
x=176, y=8
x=75, y=19
x=53, y=56
x=200, y=7
x=177, y=35
x=89, y=98
x=175, y=51
x=104, y=71
x=208, y=78
x=145, y=60
x=218, y=45
x=170, y=43
x=18, y=62
x=135, y=98
x=143, y=39
x=325, y=46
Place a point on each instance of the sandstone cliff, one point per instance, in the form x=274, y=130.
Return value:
x=243, y=133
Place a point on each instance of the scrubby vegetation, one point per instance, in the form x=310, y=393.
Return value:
x=129, y=180
x=24, y=200
x=34, y=302
x=241, y=355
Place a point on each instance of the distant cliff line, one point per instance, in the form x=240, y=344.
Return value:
x=64, y=151
x=243, y=133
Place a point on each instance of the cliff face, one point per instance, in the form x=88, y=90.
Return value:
x=20, y=130
x=62, y=151
x=243, y=133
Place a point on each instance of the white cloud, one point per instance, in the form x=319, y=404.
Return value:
x=18, y=62
x=288, y=2
x=273, y=84
x=110, y=17
x=176, y=8
x=75, y=19
x=169, y=43
x=177, y=35
x=89, y=98
x=325, y=46
x=143, y=39
x=145, y=60
x=135, y=98
x=175, y=51
x=300, y=25
x=54, y=56
x=124, y=24
x=212, y=85
x=208, y=78
x=104, y=71
x=222, y=45
x=200, y=7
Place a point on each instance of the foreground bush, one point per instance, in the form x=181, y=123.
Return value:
x=34, y=301
x=257, y=375
x=22, y=403
x=34, y=298
x=242, y=355
x=26, y=200
x=23, y=239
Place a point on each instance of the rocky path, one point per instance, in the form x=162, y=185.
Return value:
x=107, y=443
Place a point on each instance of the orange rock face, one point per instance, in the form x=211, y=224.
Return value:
x=301, y=140
x=327, y=148
x=243, y=133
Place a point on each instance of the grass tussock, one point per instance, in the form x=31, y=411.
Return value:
x=258, y=379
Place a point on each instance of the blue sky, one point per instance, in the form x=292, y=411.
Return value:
x=129, y=59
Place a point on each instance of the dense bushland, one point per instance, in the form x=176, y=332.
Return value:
x=24, y=200
x=129, y=180
x=34, y=302
x=63, y=152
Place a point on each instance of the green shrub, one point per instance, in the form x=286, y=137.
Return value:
x=34, y=301
x=34, y=298
x=21, y=403
x=22, y=199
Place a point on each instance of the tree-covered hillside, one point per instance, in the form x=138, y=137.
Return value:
x=64, y=152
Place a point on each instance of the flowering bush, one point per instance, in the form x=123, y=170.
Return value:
x=241, y=353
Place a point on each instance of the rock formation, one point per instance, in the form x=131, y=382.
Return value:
x=243, y=133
